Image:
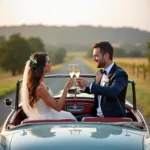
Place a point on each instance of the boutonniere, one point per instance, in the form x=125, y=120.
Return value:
x=106, y=79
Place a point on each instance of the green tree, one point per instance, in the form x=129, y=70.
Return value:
x=89, y=53
x=36, y=44
x=57, y=55
x=14, y=53
x=2, y=39
x=135, y=53
x=148, y=51
x=119, y=52
x=62, y=52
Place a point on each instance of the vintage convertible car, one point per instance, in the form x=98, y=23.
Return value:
x=129, y=133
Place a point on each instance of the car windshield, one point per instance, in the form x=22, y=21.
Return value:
x=56, y=85
x=129, y=94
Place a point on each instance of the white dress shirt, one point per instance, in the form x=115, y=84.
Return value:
x=102, y=83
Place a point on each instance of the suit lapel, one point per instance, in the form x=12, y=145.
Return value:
x=113, y=69
x=98, y=77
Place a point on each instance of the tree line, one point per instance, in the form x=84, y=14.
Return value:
x=148, y=51
x=15, y=51
x=80, y=37
x=120, y=52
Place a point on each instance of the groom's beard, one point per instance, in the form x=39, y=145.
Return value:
x=102, y=63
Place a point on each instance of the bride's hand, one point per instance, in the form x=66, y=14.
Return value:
x=69, y=83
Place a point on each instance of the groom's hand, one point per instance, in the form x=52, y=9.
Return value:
x=81, y=82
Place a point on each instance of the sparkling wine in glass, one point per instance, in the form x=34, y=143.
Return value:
x=71, y=70
x=77, y=70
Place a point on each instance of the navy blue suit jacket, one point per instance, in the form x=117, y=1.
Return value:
x=113, y=93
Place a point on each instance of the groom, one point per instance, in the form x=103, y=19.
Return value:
x=110, y=84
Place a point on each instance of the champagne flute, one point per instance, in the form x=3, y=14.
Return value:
x=77, y=74
x=77, y=70
x=71, y=70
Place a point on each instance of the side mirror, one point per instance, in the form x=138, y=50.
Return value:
x=7, y=101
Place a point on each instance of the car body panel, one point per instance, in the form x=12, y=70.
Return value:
x=76, y=136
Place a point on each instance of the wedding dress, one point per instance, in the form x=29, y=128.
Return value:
x=40, y=110
x=45, y=112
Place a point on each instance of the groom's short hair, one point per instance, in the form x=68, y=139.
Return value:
x=105, y=47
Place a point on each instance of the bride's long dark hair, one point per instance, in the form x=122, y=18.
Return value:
x=36, y=72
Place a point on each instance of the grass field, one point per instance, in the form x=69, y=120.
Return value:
x=8, y=83
x=132, y=60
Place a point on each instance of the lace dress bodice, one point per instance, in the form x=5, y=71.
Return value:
x=41, y=107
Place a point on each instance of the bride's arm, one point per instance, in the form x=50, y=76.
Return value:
x=43, y=93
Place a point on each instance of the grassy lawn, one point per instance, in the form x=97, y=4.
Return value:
x=142, y=90
x=142, y=95
x=142, y=86
x=8, y=83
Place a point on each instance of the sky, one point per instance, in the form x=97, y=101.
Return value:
x=109, y=13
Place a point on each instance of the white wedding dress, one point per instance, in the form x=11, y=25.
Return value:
x=41, y=110
x=44, y=112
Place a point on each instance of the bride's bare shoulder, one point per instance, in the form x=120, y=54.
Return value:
x=40, y=88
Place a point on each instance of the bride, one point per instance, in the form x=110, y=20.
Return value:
x=37, y=100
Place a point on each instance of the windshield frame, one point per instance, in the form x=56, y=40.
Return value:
x=18, y=86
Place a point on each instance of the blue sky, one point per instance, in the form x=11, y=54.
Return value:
x=115, y=13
